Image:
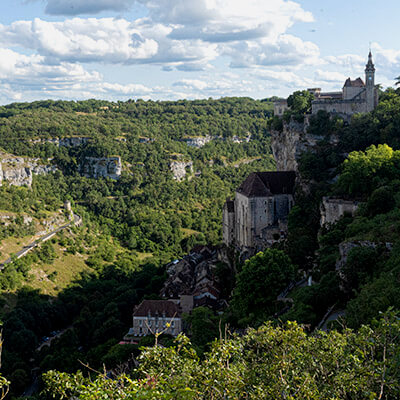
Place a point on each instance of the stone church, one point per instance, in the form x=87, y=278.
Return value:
x=355, y=97
x=259, y=212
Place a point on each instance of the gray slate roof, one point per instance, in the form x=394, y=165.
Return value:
x=262, y=184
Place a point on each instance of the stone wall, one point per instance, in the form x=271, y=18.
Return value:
x=344, y=108
x=228, y=225
x=102, y=167
x=332, y=209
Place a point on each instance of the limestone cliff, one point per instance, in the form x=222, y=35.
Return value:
x=197, y=141
x=19, y=171
x=180, y=168
x=70, y=141
x=102, y=167
x=294, y=139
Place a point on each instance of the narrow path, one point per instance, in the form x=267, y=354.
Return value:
x=26, y=249
x=58, y=335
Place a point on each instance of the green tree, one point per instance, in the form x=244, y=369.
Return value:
x=203, y=327
x=262, y=278
x=300, y=101
x=267, y=363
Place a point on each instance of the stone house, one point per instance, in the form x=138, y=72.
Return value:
x=280, y=106
x=332, y=209
x=260, y=209
x=152, y=316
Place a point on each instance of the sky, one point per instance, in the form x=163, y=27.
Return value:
x=191, y=49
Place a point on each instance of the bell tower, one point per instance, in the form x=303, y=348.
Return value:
x=370, y=83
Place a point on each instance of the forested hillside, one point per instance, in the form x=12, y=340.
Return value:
x=89, y=278
x=134, y=225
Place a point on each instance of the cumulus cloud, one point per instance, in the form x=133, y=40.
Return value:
x=85, y=40
x=285, y=50
x=31, y=77
x=387, y=63
x=329, y=76
x=186, y=34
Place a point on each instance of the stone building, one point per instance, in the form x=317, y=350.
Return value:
x=152, y=316
x=260, y=209
x=332, y=209
x=280, y=106
x=355, y=97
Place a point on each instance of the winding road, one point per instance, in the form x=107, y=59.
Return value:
x=77, y=220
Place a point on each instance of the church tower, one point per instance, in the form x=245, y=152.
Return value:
x=370, y=83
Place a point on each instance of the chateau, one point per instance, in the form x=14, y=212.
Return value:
x=259, y=212
x=355, y=96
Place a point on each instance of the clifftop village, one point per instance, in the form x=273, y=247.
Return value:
x=253, y=220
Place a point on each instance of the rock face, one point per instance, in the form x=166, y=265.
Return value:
x=237, y=139
x=72, y=141
x=288, y=145
x=19, y=171
x=332, y=209
x=198, y=141
x=103, y=167
x=180, y=168
x=346, y=247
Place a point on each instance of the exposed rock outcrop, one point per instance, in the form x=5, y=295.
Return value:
x=294, y=140
x=332, y=209
x=102, y=167
x=237, y=139
x=19, y=171
x=346, y=247
x=71, y=141
x=180, y=168
x=197, y=141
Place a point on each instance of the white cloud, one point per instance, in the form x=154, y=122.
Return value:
x=282, y=78
x=329, y=76
x=285, y=50
x=186, y=34
x=107, y=39
x=387, y=64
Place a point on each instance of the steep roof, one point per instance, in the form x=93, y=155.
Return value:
x=261, y=184
x=157, y=307
x=356, y=83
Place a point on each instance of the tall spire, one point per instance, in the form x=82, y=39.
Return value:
x=370, y=65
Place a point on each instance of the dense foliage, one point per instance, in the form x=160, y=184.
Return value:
x=268, y=363
x=148, y=213
x=146, y=209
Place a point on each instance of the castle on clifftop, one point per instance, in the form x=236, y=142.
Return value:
x=355, y=96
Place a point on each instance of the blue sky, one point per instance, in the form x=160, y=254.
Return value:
x=172, y=49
